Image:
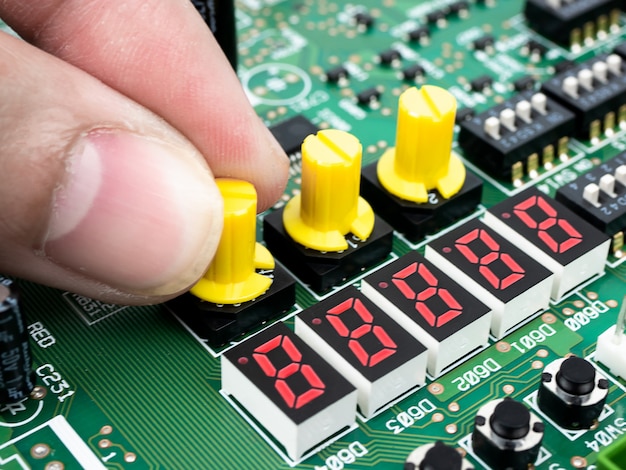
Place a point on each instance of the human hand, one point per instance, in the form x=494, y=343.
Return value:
x=108, y=150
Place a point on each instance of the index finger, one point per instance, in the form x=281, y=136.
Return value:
x=161, y=55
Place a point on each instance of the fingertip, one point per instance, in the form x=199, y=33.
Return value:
x=246, y=149
x=276, y=164
x=135, y=214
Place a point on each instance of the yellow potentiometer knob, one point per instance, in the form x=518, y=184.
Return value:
x=422, y=159
x=231, y=277
x=329, y=206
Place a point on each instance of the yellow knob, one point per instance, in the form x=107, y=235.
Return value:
x=329, y=206
x=423, y=159
x=231, y=277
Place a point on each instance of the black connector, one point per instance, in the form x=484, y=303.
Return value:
x=522, y=132
x=594, y=90
x=220, y=18
x=571, y=22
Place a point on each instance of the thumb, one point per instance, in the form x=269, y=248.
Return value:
x=97, y=194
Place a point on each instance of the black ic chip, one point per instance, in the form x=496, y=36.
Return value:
x=292, y=132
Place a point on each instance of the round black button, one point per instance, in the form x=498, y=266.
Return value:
x=441, y=457
x=576, y=376
x=510, y=419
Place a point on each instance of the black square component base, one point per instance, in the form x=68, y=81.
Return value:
x=323, y=270
x=415, y=220
x=219, y=324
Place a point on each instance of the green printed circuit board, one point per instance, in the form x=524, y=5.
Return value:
x=452, y=307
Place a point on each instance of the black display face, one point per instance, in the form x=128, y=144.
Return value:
x=490, y=260
x=549, y=225
x=289, y=373
x=425, y=294
x=362, y=333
